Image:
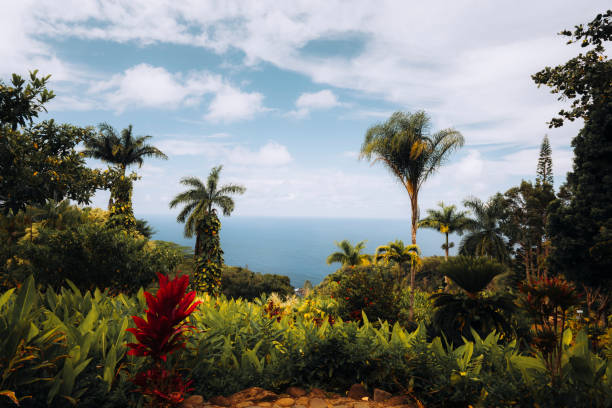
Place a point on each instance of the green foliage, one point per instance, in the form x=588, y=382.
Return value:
x=120, y=203
x=545, y=169
x=209, y=261
x=455, y=315
x=349, y=255
x=580, y=228
x=237, y=282
x=19, y=105
x=369, y=289
x=446, y=220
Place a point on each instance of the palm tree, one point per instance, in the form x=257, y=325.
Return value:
x=122, y=150
x=202, y=200
x=412, y=154
x=349, y=255
x=447, y=220
x=455, y=314
x=399, y=254
x=402, y=255
x=485, y=237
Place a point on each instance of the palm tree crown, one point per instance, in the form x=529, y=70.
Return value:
x=485, y=236
x=447, y=220
x=202, y=199
x=410, y=151
x=401, y=255
x=349, y=255
x=122, y=150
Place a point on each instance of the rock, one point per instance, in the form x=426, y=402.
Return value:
x=243, y=404
x=361, y=405
x=318, y=403
x=337, y=401
x=285, y=402
x=255, y=394
x=381, y=395
x=357, y=392
x=194, y=401
x=302, y=401
x=316, y=393
x=264, y=404
x=397, y=400
x=296, y=392
x=221, y=401
x=299, y=406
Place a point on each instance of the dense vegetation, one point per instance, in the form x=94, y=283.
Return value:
x=520, y=318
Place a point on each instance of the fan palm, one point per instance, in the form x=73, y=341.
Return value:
x=447, y=220
x=202, y=200
x=485, y=237
x=349, y=255
x=455, y=314
x=410, y=151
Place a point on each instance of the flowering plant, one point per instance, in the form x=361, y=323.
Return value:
x=161, y=333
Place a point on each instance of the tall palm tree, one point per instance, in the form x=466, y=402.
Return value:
x=485, y=236
x=349, y=255
x=447, y=220
x=121, y=150
x=405, y=144
x=202, y=200
x=399, y=254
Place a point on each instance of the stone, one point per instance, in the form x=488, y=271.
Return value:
x=361, y=405
x=194, y=401
x=299, y=406
x=255, y=394
x=296, y=392
x=302, y=401
x=243, y=404
x=381, y=395
x=357, y=392
x=339, y=401
x=264, y=404
x=318, y=403
x=221, y=401
x=285, y=402
x=397, y=400
x=317, y=393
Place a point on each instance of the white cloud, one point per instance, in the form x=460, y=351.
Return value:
x=308, y=102
x=271, y=154
x=147, y=86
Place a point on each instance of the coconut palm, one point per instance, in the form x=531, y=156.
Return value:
x=410, y=151
x=202, y=200
x=403, y=256
x=456, y=314
x=447, y=220
x=485, y=237
x=349, y=255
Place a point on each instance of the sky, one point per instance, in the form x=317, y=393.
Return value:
x=282, y=93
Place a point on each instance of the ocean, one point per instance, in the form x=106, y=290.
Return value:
x=298, y=247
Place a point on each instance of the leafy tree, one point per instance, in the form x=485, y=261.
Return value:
x=485, y=236
x=406, y=146
x=238, y=282
x=349, y=255
x=580, y=225
x=545, y=171
x=456, y=314
x=201, y=200
x=19, y=105
x=447, y=220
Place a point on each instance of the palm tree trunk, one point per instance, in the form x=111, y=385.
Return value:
x=198, y=245
x=446, y=249
x=414, y=204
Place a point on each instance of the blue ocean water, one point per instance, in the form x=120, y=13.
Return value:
x=298, y=247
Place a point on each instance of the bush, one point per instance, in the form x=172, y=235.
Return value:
x=369, y=289
x=238, y=282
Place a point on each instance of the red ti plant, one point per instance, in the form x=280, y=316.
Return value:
x=161, y=333
x=549, y=300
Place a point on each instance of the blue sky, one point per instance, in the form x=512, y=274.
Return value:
x=282, y=93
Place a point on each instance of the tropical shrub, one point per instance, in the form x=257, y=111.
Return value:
x=369, y=290
x=455, y=314
x=209, y=261
x=239, y=282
